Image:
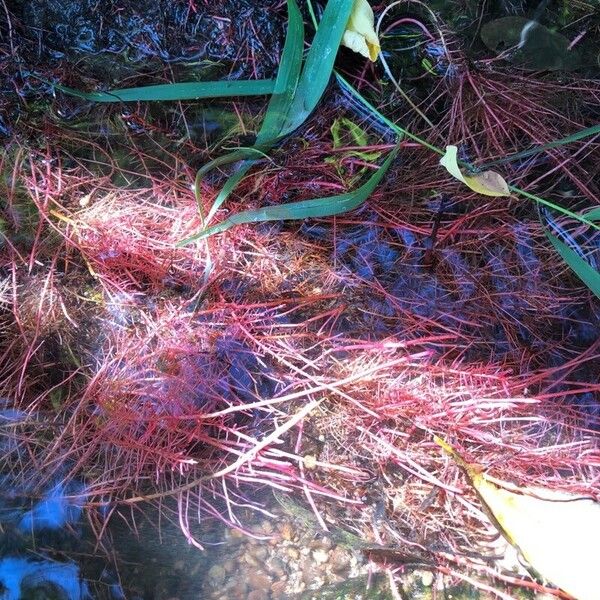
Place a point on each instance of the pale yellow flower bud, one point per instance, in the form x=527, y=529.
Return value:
x=360, y=33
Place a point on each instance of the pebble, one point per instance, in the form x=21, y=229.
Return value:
x=229, y=566
x=287, y=531
x=257, y=580
x=293, y=553
x=276, y=567
x=216, y=575
x=278, y=589
x=339, y=559
x=320, y=556
x=427, y=578
x=179, y=565
x=325, y=543
x=334, y=578
x=237, y=588
x=311, y=573
x=258, y=595
x=249, y=559
x=266, y=527
x=259, y=552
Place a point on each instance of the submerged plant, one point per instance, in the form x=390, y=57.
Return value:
x=295, y=93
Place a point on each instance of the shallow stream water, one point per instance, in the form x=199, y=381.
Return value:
x=48, y=550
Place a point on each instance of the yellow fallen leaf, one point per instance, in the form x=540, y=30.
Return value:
x=557, y=533
x=360, y=33
x=488, y=183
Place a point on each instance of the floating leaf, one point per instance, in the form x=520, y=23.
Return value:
x=360, y=33
x=488, y=183
x=347, y=133
x=558, y=534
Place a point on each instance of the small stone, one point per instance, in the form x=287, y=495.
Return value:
x=229, y=566
x=293, y=553
x=258, y=595
x=286, y=530
x=335, y=578
x=236, y=588
x=308, y=577
x=277, y=567
x=327, y=543
x=278, y=590
x=179, y=565
x=311, y=573
x=257, y=580
x=259, y=552
x=310, y=461
x=249, y=559
x=266, y=527
x=216, y=575
x=324, y=542
x=427, y=578
x=339, y=559
x=320, y=556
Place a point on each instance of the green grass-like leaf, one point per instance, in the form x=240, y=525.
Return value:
x=275, y=117
x=297, y=93
x=582, y=269
x=316, y=207
x=593, y=214
x=318, y=66
x=191, y=90
x=578, y=135
x=400, y=131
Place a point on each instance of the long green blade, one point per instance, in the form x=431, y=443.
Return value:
x=582, y=269
x=275, y=116
x=404, y=132
x=593, y=214
x=316, y=207
x=589, y=131
x=287, y=78
x=191, y=90
x=319, y=62
x=291, y=108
